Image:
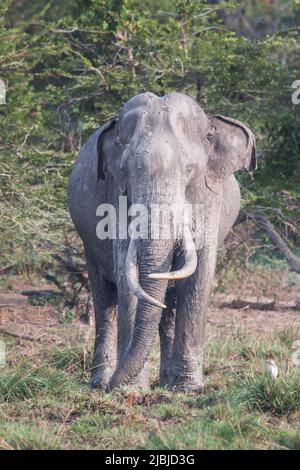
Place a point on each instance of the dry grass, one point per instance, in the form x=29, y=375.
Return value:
x=45, y=402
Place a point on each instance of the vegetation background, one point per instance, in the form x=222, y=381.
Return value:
x=68, y=67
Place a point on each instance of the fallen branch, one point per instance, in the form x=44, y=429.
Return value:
x=40, y=293
x=7, y=269
x=245, y=305
x=4, y=331
x=13, y=305
x=239, y=304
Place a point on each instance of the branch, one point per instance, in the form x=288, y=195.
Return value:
x=240, y=304
x=76, y=270
x=7, y=269
x=40, y=293
x=4, y=331
x=263, y=222
x=244, y=305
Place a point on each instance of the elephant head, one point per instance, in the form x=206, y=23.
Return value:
x=161, y=151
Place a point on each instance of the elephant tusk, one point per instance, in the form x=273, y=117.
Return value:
x=133, y=278
x=190, y=257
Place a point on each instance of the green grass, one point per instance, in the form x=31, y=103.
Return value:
x=45, y=402
x=280, y=397
x=27, y=382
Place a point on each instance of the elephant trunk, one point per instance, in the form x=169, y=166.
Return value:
x=190, y=259
x=133, y=277
x=151, y=256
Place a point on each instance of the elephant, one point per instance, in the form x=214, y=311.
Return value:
x=157, y=150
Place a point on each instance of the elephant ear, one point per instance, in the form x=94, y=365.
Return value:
x=102, y=158
x=231, y=147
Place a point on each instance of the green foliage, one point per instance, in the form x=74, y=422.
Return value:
x=38, y=300
x=68, y=358
x=279, y=397
x=24, y=383
x=70, y=65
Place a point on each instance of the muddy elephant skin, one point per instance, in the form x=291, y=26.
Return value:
x=157, y=151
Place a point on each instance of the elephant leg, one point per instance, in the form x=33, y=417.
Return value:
x=105, y=305
x=192, y=303
x=166, y=334
x=126, y=316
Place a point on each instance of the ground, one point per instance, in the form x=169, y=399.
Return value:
x=45, y=402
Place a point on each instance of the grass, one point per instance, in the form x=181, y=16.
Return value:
x=280, y=397
x=45, y=402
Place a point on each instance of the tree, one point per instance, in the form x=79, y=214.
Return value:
x=70, y=65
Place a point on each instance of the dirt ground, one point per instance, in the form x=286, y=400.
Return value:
x=17, y=315
x=49, y=353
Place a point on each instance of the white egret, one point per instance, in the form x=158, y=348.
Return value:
x=272, y=369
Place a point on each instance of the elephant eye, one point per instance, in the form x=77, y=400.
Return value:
x=189, y=169
x=210, y=137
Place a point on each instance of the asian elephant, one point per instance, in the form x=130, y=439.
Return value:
x=158, y=150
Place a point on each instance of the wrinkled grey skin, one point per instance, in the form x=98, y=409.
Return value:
x=157, y=150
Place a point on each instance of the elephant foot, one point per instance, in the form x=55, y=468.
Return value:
x=99, y=379
x=142, y=380
x=185, y=379
x=164, y=377
x=187, y=388
x=95, y=383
